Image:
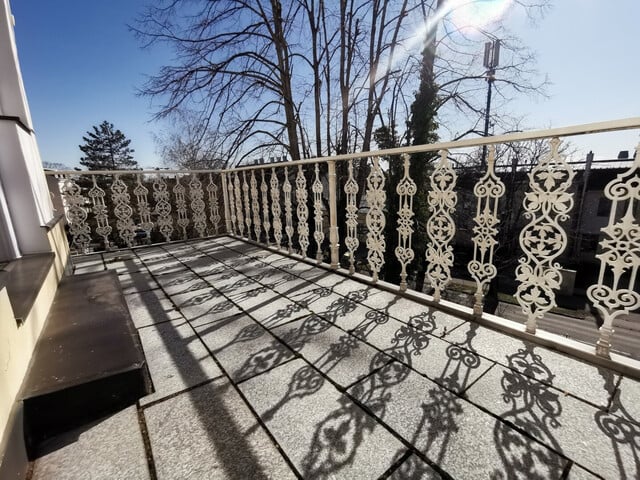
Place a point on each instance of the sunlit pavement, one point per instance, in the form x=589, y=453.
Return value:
x=266, y=367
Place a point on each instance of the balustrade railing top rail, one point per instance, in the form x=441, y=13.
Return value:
x=271, y=203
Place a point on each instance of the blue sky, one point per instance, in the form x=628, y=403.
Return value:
x=81, y=65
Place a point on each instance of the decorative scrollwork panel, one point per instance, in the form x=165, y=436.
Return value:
x=181, y=206
x=232, y=204
x=264, y=190
x=288, y=214
x=239, y=215
x=441, y=228
x=97, y=195
x=144, y=210
x=543, y=239
x=405, y=189
x=275, y=208
x=163, y=207
x=376, y=198
x=247, y=208
x=488, y=190
x=255, y=206
x=76, y=214
x=302, y=211
x=123, y=211
x=318, y=233
x=620, y=255
x=351, y=240
x=198, y=207
x=214, y=207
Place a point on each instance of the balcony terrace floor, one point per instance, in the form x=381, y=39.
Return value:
x=267, y=367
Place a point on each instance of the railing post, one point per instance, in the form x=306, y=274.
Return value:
x=333, y=215
x=225, y=199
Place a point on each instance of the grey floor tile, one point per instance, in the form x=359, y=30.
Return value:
x=137, y=282
x=450, y=365
x=181, y=282
x=165, y=266
x=149, y=307
x=578, y=473
x=243, y=347
x=586, y=381
x=600, y=441
x=413, y=468
x=123, y=262
x=438, y=323
x=209, y=432
x=323, y=433
x=463, y=440
x=274, y=311
x=104, y=450
x=628, y=399
x=176, y=357
x=204, y=306
x=339, y=355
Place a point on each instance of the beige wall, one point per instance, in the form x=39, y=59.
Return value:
x=17, y=342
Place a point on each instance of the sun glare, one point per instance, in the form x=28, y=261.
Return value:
x=476, y=14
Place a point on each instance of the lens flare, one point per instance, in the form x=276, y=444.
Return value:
x=468, y=15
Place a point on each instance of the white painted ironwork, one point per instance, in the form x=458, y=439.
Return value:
x=543, y=239
x=239, y=215
x=255, y=206
x=264, y=189
x=163, y=207
x=620, y=255
x=440, y=226
x=214, y=208
x=100, y=212
x=405, y=189
x=232, y=204
x=144, y=210
x=76, y=214
x=376, y=197
x=247, y=208
x=351, y=240
x=198, y=207
x=318, y=233
x=302, y=211
x=488, y=190
x=334, y=237
x=123, y=211
x=275, y=208
x=286, y=188
x=181, y=206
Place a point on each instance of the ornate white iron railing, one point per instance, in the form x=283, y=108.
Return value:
x=258, y=203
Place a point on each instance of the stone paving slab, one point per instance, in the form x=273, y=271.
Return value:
x=181, y=282
x=136, y=282
x=209, y=432
x=589, y=382
x=204, y=306
x=592, y=438
x=165, y=265
x=337, y=354
x=463, y=440
x=243, y=347
x=176, y=358
x=448, y=364
x=323, y=433
x=628, y=399
x=414, y=468
x=149, y=307
x=105, y=450
x=123, y=262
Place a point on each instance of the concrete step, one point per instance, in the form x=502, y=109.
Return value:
x=88, y=361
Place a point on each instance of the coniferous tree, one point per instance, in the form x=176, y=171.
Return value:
x=106, y=148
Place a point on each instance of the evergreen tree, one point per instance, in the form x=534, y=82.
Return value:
x=422, y=127
x=107, y=148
